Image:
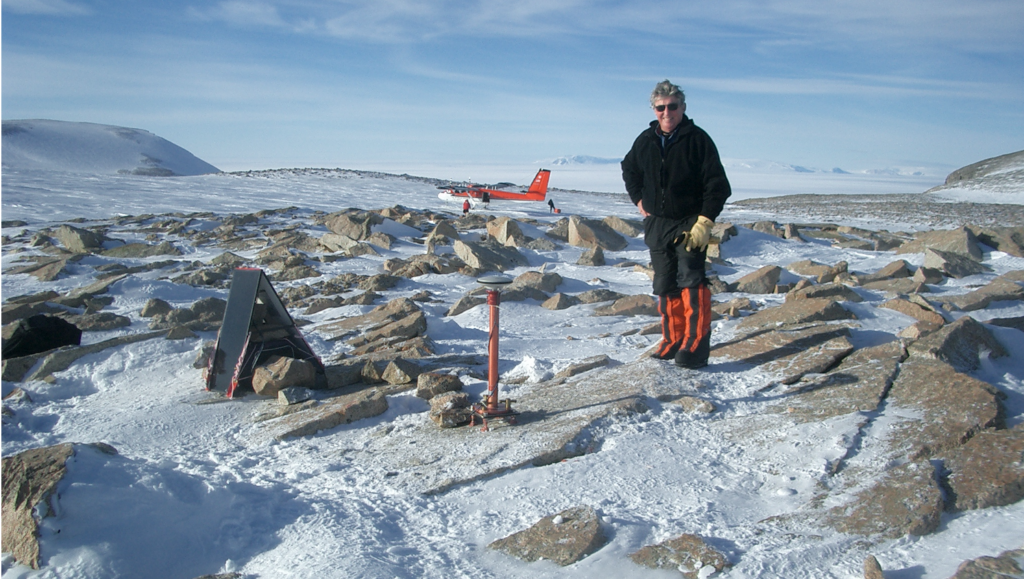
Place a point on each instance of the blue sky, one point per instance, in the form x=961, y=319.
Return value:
x=245, y=84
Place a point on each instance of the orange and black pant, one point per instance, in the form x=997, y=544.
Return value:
x=680, y=282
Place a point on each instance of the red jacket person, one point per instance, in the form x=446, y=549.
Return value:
x=674, y=176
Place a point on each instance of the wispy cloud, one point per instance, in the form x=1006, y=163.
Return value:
x=242, y=13
x=857, y=85
x=46, y=7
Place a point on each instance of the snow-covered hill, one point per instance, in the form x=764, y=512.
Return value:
x=996, y=180
x=92, y=148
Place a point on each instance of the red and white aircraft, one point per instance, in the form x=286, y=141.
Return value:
x=506, y=191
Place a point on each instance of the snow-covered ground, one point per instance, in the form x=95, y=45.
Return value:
x=191, y=493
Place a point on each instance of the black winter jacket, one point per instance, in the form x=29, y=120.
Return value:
x=688, y=180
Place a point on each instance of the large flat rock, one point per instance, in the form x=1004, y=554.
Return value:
x=907, y=500
x=950, y=407
x=791, y=353
x=858, y=384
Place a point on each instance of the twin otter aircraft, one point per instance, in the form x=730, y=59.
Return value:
x=506, y=191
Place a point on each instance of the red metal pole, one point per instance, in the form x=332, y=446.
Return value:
x=493, y=300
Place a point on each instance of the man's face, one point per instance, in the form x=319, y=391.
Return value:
x=668, y=119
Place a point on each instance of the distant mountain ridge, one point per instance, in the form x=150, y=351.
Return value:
x=743, y=164
x=94, y=148
x=583, y=160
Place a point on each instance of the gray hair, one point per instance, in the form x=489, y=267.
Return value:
x=666, y=89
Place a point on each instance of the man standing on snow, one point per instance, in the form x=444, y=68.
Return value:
x=676, y=180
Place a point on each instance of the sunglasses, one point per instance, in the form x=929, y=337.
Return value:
x=670, y=106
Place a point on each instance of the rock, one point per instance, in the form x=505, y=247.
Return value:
x=173, y=318
x=762, y=281
x=430, y=384
x=154, y=307
x=357, y=226
x=831, y=290
x=504, y=230
x=13, y=312
x=796, y=312
x=872, y=570
x=639, y=305
x=898, y=286
x=141, y=250
x=75, y=297
x=593, y=257
x=907, y=500
x=560, y=301
x=77, y=240
x=544, y=281
x=833, y=272
x=542, y=244
x=688, y=554
x=952, y=264
x=1006, y=239
x=280, y=372
x=228, y=259
x=791, y=231
x=411, y=326
x=294, y=395
x=335, y=242
x=808, y=267
x=100, y=322
x=372, y=372
x=450, y=409
x=790, y=353
x=519, y=294
x=466, y=303
x=328, y=414
x=987, y=470
x=209, y=309
x=733, y=307
x=587, y=365
x=590, y=233
x=560, y=230
x=958, y=241
x=599, y=295
x=627, y=227
x=998, y=290
x=29, y=480
x=915, y=311
x=487, y=256
x=1006, y=566
x=1016, y=323
x=14, y=369
x=917, y=330
x=952, y=407
x=577, y=535
x=379, y=282
x=928, y=275
x=401, y=371
x=858, y=384
x=896, y=269
x=297, y=272
x=378, y=317
x=381, y=239
x=959, y=344
x=201, y=278
x=444, y=229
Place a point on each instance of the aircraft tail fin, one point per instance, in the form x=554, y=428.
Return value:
x=539, y=188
